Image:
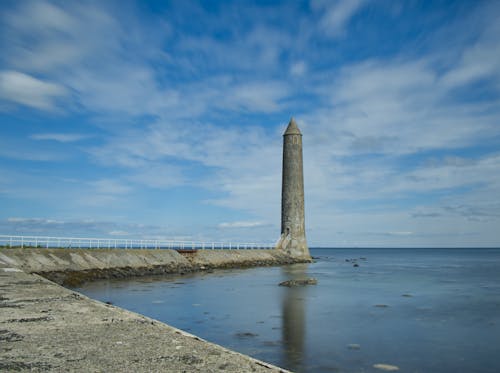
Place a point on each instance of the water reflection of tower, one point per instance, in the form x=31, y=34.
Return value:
x=294, y=318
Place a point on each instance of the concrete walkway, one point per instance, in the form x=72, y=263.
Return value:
x=45, y=327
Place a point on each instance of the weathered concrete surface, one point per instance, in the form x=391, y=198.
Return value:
x=227, y=258
x=73, y=266
x=45, y=327
x=44, y=260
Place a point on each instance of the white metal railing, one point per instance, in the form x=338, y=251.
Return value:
x=122, y=243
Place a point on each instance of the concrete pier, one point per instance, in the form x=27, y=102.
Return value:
x=45, y=327
x=70, y=267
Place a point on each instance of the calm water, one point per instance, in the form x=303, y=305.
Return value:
x=425, y=310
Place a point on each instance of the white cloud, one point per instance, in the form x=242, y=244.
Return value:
x=20, y=88
x=168, y=103
x=257, y=97
x=395, y=108
x=34, y=220
x=298, y=68
x=59, y=137
x=241, y=224
x=480, y=60
x=85, y=48
x=118, y=233
x=158, y=175
x=336, y=14
x=110, y=187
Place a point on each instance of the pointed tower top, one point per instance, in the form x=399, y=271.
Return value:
x=292, y=128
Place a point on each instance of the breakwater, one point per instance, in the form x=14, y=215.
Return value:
x=46, y=327
x=71, y=267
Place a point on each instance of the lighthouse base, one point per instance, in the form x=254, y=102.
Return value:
x=294, y=247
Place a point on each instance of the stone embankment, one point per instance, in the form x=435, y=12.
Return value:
x=46, y=327
x=71, y=267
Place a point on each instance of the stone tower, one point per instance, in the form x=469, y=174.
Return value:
x=293, y=234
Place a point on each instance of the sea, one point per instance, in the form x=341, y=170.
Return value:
x=415, y=310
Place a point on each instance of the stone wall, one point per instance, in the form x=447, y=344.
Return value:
x=73, y=266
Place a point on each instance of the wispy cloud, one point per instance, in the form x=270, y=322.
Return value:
x=110, y=186
x=59, y=137
x=389, y=138
x=242, y=224
x=24, y=89
x=336, y=14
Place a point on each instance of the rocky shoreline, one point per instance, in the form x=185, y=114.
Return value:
x=73, y=278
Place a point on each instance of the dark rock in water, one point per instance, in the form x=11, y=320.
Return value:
x=381, y=305
x=355, y=265
x=407, y=295
x=246, y=335
x=301, y=282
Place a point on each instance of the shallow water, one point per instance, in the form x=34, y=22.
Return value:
x=423, y=310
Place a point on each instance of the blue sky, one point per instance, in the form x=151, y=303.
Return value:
x=164, y=119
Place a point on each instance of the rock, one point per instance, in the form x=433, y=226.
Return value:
x=381, y=305
x=301, y=282
x=353, y=346
x=355, y=265
x=386, y=367
x=407, y=295
x=246, y=335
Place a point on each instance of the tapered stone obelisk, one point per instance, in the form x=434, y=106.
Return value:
x=293, y=233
